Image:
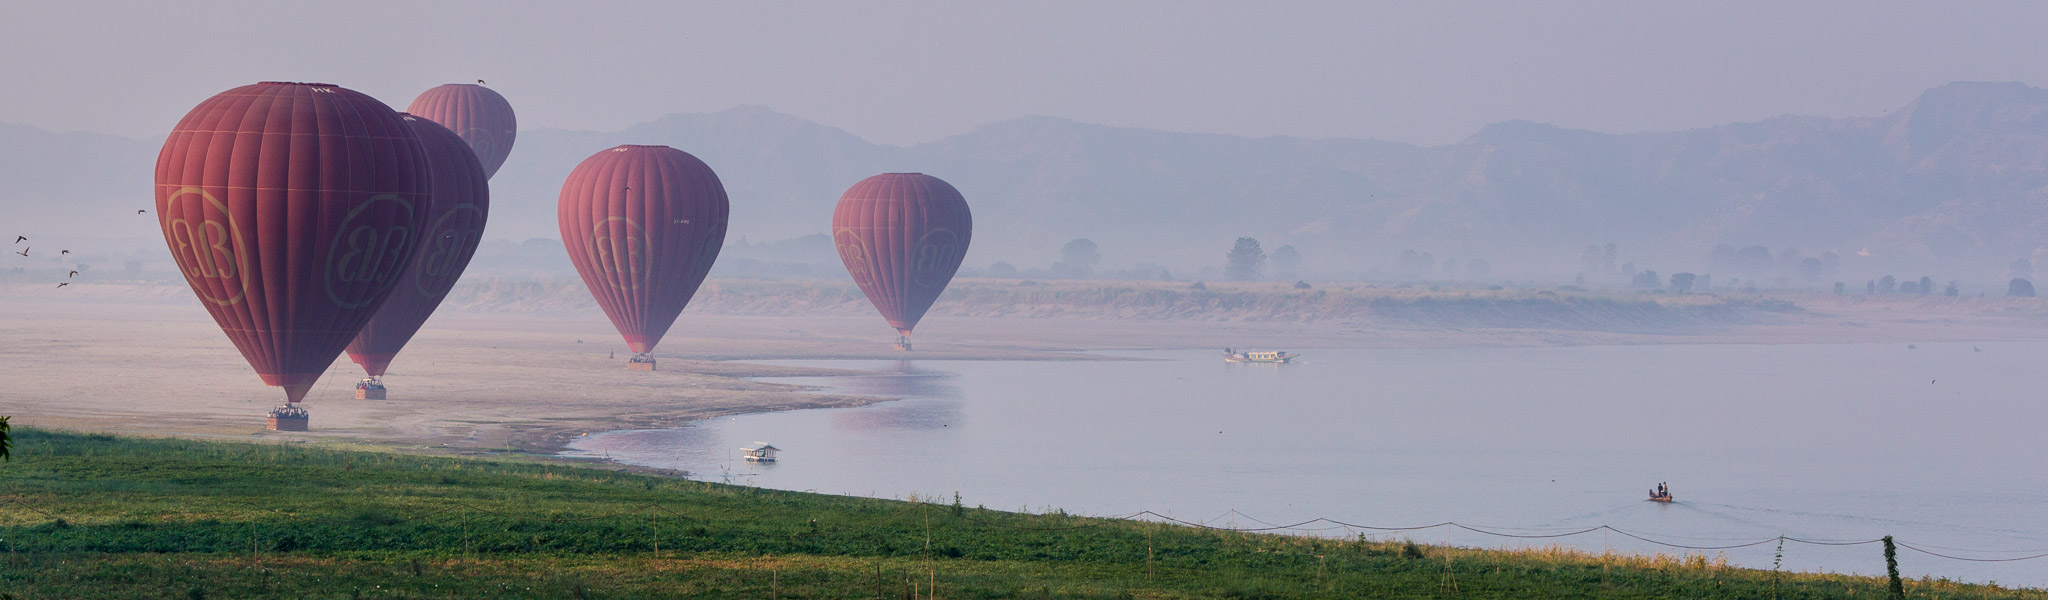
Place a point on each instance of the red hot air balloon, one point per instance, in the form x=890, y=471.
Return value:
x=481, y=116
x=292, y=209
x=455, y=223
x=902, y=236
x=643, y=225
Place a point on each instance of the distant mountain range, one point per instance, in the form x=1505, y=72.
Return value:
x=1954, y=183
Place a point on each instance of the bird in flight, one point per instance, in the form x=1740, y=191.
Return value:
x=20, y=238
x=63, y=252
x=60, y=285
x=479, y=82
x=140, y=211
x=73, y=274
x=24, y=251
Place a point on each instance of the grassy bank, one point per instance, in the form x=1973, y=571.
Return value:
x=106, y=517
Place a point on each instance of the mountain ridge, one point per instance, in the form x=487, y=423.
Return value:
x=1956, y=180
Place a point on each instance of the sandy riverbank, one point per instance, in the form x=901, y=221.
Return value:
x=477, y=381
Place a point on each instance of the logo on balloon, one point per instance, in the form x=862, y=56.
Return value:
x=481, y=141
x=206, y=244
x=619, y=245
x=369, y=250
x=854, y=253
x=450, y=239
x=935, y=258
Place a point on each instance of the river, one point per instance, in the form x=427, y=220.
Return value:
x=1940, y=445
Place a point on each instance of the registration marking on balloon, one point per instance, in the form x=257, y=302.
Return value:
x=210, y=247
x=620, y=246
x=854, y=252
x=454, y=236
x=934, y=258
x=364, y=259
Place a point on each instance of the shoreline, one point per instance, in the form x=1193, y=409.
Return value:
x=487, y=382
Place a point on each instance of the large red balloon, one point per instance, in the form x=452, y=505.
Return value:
x=902, y=236
x=455, y=223
x=482, y=117
x=643, y=225
x=292, y=209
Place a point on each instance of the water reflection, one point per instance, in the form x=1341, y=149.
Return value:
x=917, y=414
x=899, y=379
x=930, y=398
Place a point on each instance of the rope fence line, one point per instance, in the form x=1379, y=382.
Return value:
x=1148, y=516
x=1988, y=560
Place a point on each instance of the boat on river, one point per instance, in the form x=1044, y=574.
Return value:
x=1661, y=494
x=1262, y=356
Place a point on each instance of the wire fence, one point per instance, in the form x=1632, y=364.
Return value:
x=1147, y=516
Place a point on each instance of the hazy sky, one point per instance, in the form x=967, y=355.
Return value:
x=1423, y=72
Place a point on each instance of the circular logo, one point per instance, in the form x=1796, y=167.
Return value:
x=450, y=241
x=854, y=253
x=207, y=245
x=935, y=257
x=619, y=245
x=369, y=251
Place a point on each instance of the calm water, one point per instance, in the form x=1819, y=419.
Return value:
x=1941, y=446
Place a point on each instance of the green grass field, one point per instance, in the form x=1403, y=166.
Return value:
x=92, y=516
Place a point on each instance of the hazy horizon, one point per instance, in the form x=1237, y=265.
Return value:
x=1427, y=74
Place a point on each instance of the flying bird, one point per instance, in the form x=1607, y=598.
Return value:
x=20, y=238
x=479, y=82
x=60, y=285
x=62, y=252
x=24, y=251
x=140, y=211
x=73, y=274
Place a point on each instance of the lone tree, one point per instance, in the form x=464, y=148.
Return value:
x=1286, y=263
x=1246, y=262
x=1681, y=283
x=1078, y=258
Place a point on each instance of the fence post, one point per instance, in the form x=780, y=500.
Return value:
x=1148, y=553
x=1895, y=588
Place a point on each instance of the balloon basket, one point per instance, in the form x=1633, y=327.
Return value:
x=287, y=418
x=640, y=362
x=370, y=389
x=903, y=344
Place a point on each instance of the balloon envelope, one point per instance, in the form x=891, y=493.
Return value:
x=902, y=236
x=643, y=225
x=482, y=117
x=455, y=223
x=291, y=209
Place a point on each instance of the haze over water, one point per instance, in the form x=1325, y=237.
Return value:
x=1936, y=445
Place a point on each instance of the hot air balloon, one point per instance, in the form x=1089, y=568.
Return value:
x=643, y=225
x=292, y=209
x=902, y=236
x=481, y=116
x=455, y=223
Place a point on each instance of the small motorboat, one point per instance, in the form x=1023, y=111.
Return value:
x=1661, y=494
